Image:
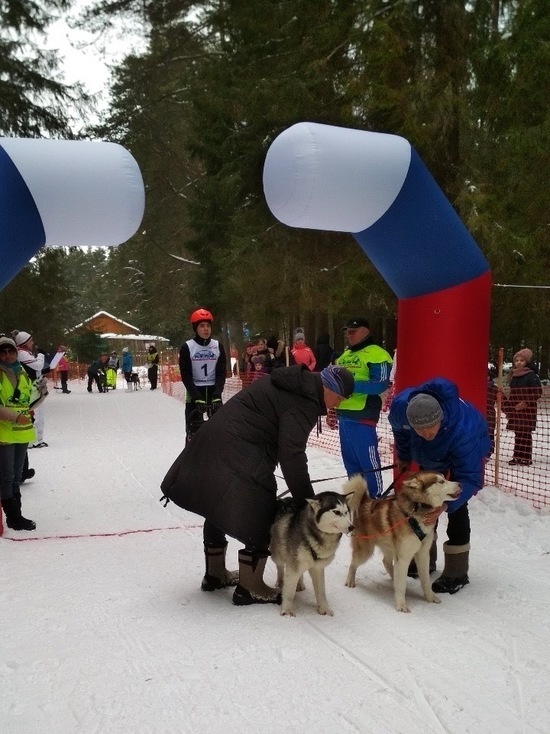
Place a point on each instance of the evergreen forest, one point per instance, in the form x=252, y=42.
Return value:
x=465, y=81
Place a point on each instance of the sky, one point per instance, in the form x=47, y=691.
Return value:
x=87, y=57
x=105, y=629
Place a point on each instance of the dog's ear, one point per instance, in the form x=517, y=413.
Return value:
x=413, y=482
x=314, y=504
x=349, y=498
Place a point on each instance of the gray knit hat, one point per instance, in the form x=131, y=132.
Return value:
x=423, y=411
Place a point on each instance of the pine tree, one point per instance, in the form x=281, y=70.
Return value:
x=33, y=100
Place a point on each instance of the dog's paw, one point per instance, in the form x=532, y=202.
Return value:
x=433, y=599
x=287, y=613
x=325, y=611
x=402, y=607
x=350, y=583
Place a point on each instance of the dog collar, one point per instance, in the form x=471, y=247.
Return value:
x=313, y=554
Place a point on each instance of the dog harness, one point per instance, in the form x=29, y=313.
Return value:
x=414, y=524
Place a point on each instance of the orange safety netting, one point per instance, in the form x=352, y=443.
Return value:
x=528, y=480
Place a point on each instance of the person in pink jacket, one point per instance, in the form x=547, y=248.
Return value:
x=302, y=354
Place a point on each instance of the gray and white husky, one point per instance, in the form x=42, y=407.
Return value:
x=306, y=539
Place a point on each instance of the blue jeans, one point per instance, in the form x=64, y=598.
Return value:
x=359, y=446
x=12, y=459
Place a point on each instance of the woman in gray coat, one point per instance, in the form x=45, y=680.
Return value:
x=226, y=473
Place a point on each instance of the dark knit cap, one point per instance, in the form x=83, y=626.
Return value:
x=339, y=380
x=423, y=411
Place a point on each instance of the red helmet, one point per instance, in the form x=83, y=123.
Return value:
x=201, y=314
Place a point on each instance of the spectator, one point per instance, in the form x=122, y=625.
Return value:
x=96, y=373
x=280, y=353
x=35, y=366
x=63, y=369
x=111, y=369
x=302, y=354
x=258, y=365
x=18, y=395
x=153, y=366
x=127, y=366
x=250, y=351
x=226, y=473
x=263, y=351
x=358, y=416
x=439, y=431
x=521, y=406
x=203, y=367
x=323, y=352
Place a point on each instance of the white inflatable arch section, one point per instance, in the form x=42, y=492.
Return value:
x=86, y=193
x=333, y=178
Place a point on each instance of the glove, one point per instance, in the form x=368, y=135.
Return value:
x=42, y=385
x=216, y=405
x=200, y=406
x=332, y=420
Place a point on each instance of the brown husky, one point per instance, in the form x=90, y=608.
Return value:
x=396, y=525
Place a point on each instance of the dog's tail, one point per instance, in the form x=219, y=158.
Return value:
x=355, y=490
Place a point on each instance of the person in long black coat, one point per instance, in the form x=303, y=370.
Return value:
x=323, y=351
x=521, y=406
x=226, y=473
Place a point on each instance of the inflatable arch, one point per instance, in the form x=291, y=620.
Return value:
x=376, y=187
x=63, y=193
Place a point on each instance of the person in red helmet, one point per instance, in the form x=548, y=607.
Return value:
x=203, y=365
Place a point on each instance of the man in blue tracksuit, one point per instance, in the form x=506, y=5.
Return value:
x=358, y=415
x=439, y=431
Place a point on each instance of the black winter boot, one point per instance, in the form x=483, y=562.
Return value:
x=251, y=588
x=14, y=518
x=217, y=576
x=455, y=573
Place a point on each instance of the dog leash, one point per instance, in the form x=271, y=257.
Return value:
x=386, y=492
x=384, y=532
x=345, y=476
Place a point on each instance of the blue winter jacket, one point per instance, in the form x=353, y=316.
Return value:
x=461, y=445
x=127, y=362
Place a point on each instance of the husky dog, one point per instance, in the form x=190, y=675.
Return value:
x=306, y=539
x=396, y=526
x=135, y=382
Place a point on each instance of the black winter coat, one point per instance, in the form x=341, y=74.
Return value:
x=323, y=352
x=226, y=473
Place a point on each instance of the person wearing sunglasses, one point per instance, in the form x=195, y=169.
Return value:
x=18, y=396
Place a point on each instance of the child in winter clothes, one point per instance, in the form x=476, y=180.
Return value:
x=521, y=406
x=302, y=354
x=259, y=367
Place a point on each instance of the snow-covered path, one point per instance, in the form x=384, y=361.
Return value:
x=111, y=633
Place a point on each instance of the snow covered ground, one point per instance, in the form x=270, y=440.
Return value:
x=105, y=628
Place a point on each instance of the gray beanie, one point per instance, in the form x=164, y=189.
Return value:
x=299, y=333
x=423, y=411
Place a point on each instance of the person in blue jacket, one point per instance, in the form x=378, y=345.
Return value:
x=439, y=431
x=127, y=366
